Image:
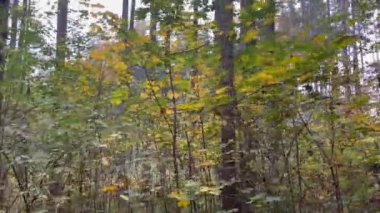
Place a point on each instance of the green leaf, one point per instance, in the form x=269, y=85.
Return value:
x=345, y=41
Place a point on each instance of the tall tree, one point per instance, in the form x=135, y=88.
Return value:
x=125, y=14
x=224, y=19
x=24, y=24
x=14, y=24
x=133, y=11
x=153, y=20
x=4, y=7
x=343, y=6
x=4, y=14
x=62, y=29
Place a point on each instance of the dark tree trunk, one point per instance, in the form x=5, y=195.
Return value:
x=328, y=7
x=14, y=25
x=4, y=14
x=4, y=6
x=343, y=9
x=227, y=172
x=153, y=21
x=23, y=25
x=269, y=28
x=132, y=21
x=125, y=14
x=62, y=30
x=153, y=29
x=356, y=31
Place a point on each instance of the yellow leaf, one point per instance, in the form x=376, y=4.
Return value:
x=375, y=127
x=221, y=91
x=177, y=194
x=183, y=203
x=250, y=36
x=268, y=21
x=109, y=188
x=319, y=39
x=174, y=95
x=306, y=77
x=210, y=190
x=120, y=66
x=267, y=79
x=143, y=95
x=124, y=197
x=153, y=61
x=97, y=55
x=207, y=163
x=245, y=58
x=191, y=106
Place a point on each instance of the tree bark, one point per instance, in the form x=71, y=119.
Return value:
x=23, y=24
x=227, y=172
x=343, y=9
x=169, y=69
x=356, y=31
x=4, y=10
x=4, y=7
x=132, y=21
x=14, y=25
x=62, y=30
x=125, y=14
x=153, y=21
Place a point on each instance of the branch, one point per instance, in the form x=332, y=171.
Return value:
x=189, y=50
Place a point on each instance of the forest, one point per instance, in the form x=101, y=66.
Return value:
x=189, y=106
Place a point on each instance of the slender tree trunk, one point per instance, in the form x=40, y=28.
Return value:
x=125, y=14
x=268, y=30
x=333, y=141
x=194, y=75
x=23, y=24
x=14, y=25
x=132, y=21
x=4, y=7
x=356, y=47
x=343, y=9
x=153, y=21
x=228, y=112
x=169, y=68
x=4, y=14
x=61, y=30
x=328, y=5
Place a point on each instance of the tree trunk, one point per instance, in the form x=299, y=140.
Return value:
x=153, y=21
x=343, y=10
x=125, y=14
x=132, y=21
x=14, y=24
x=227, y=172
x=4, y=6
x=169, y=69
x=328, y=7
x=356, y=69
x=23, y=24
x=4, y=10
x=269, y=28
x=61, y=30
